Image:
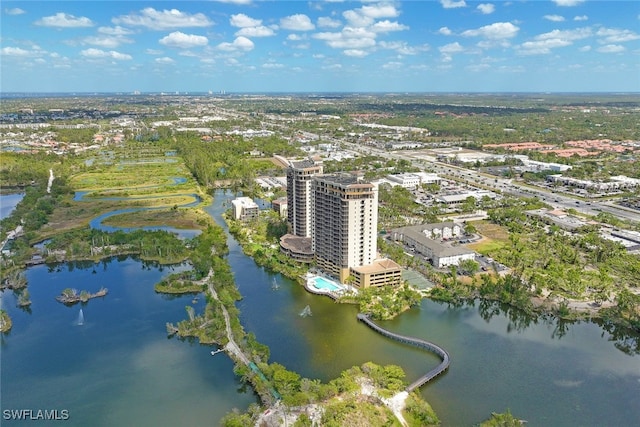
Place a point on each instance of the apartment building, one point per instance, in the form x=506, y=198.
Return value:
x=299, y=196
x=244, y=208
x=345, y=223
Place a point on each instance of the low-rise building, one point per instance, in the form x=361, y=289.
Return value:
x=459, y=198
x=405, y=180
x=616, y=183
x=244, y=208
x=298, y=248
x=280, y=205
x=557, y=217
x=381, y=273
x=440, y=255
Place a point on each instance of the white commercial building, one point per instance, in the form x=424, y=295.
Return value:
x=413, y=180
x=439, y=254
x=244, y=208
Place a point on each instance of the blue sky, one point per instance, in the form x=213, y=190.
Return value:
x=320, y=46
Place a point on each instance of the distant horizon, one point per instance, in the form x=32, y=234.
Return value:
x=301, y=92
x=320, y=46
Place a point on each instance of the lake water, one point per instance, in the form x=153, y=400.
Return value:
x=579, y=379
x=8, y=203
x=120, y=369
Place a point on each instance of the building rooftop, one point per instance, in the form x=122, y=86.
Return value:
x=378, y=266
x=438, y=249
x=297, y=244
x=303, y=164
x=245, y=202
x=345, y=179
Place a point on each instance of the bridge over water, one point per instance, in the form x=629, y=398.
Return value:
x=416, y=342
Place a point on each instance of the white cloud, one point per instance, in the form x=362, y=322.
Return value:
x=611, y=48
x=448, y=50
x=115, y=31
x=326, y=22
x=356, y=53
x=554, y=18
x=476, y=68
x=357, y=19
x=241, y=20
x=98, y=53
x=153, y=52
x=570, y=35
x=298, y=22
x=165, y=60
x=239, y=44
x=543, y=46
x=366, y=15
x=64, y=20
x=581, y=18
x=184, y=41
x=379, y=11
x=15, y=51
x=349, y=38
x=451, y=48
x=272, y=65
x=163, y=20
x=259, y=31
x=238, y=2
x=392, y=65
x=445, y=31
x=108, y=42
x=486, y=8
x=614, y=35
x=402, y=48
x=567, y=3
x=586, y=48
x=388, y=26
x=498, y=30
x=453, y=4
x=543, y=43
x=354, y=43
x=120, y=56
x=295, y=37
x=14, y=11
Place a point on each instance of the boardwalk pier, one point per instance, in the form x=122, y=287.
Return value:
x=416, y=342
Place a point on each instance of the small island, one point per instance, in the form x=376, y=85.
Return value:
x=5, y=321
x=71, y=296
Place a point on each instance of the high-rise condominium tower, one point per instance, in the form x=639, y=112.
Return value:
x=299, y=196
x=345, y=223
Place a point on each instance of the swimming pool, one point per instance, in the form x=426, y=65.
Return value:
x=322, y=283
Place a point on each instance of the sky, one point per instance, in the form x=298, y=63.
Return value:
x=249, y=46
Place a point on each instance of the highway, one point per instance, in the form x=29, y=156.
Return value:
x=506, y=186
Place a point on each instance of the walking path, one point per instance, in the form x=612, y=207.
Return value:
x=51, y=178
x=417, y=342
x=232, y=346
x=398, y=401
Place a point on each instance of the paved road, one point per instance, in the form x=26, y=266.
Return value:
x=508, y=186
